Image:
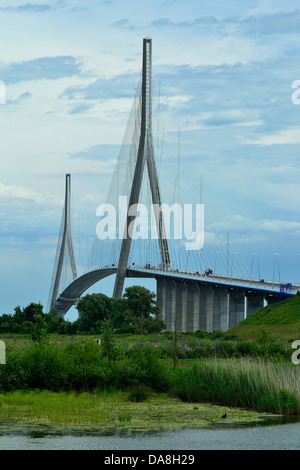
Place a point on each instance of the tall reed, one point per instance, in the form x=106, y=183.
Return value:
x=256, y=384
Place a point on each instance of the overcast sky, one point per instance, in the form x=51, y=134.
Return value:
x=70, y=69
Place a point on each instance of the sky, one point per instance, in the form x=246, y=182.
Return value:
x=70, y=69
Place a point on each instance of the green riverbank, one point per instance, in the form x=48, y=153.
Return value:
x=140, y=386
x=109, y=412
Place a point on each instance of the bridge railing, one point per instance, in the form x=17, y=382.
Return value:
x=233, y=280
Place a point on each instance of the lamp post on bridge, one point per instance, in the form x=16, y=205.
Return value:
x=233, y=253
x=254, y=254
x=276, y=263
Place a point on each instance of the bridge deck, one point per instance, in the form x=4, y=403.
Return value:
x=231, y=281
x=72, y=293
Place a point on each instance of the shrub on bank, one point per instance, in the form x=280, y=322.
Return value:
x=251, y=382
x=80, y=367
x=191, y=347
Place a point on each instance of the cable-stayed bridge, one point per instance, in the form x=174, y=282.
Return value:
x=152, y=226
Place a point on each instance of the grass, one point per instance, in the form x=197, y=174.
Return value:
x=281, y=321
x=112, y=411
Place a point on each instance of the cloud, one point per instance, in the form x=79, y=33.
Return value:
x=276, y=225
x=231, y=117
x=28, y=8
x=162, y=22
x=242, y=224
x=278, y=23
x=19, y=192
x=204, y=21
x=93, y=198
x=104, y=153
x=81, y=108
x=283, y=137
x=255, y=94
x=51, y=68
x=283, y=22
x=120, y=86
x=20, y=98
x=123, y=23
x=33, y=8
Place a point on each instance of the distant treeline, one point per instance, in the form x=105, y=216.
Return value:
x=136, y=312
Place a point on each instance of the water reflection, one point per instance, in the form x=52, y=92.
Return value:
x=277, y=433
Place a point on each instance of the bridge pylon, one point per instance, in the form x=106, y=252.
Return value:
x=65, y=245
x=145, y=155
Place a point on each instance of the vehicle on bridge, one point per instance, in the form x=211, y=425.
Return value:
x=208, y=272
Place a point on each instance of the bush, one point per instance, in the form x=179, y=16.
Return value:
x=12, y=374
x=139, y=394
x=45, y=367
x=141, y=366
x=80, y=367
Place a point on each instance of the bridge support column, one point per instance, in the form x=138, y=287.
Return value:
x=254, y=302
x=170, y=305
x=161, y=297
x=221, y=309
x=206, y=312
x=271, y=299
x=181, y=306
x=193, y=316
x=195, y=306
x=236, y=307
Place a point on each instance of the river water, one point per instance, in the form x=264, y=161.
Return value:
x=259, y=437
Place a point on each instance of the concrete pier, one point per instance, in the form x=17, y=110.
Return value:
x=271, y=299
x=170, y=305
x=193, y=322
x=254, y=302
x=207, y=307
x=236, y=307
x=220, y=309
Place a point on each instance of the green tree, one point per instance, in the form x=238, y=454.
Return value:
x=57, y=324
x=18, y=316
x=154, y=324
x=6, y=323
x=143, y=309
x=32, y=311
x=39, y=330
x=120, y=317
x=54, y=322
x=92, y=308
x=141, y=301
x=108, y=342
x=24, y=319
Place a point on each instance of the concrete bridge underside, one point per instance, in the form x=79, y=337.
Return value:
x=74, y=291
x=194, y=306
x=190, y=305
